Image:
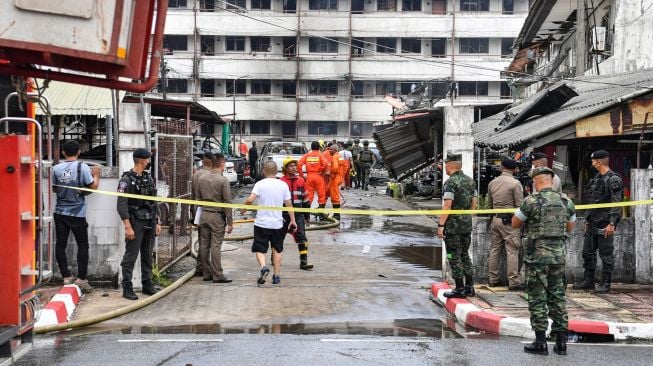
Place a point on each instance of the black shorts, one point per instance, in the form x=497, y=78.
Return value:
x=263, y=238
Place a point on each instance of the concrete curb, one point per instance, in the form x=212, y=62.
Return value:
x=61, y=306
x=470, y=315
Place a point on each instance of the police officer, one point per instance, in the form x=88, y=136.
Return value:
x=600, y=223
x=140, y=218
x=549, y=217
x=355, y=150
x=505, y=191
x=366, y=161
x=459, y=193
x=207, y=165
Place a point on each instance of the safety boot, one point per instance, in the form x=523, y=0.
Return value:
x=458, y=292
x=469, y=287
x=149, y=288
x=588, y=282
x=604, y=287
x=561, y=343
x=321, y=216
x=303, y=257
x=128, y=291
x=539, y=346
x=336, y=215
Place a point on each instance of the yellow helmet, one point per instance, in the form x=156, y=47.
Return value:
x=321, y=144
x=287, y=161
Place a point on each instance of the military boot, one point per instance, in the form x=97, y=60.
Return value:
x=469, y=287
x=604, y=287
x=336, y=215
x=303, y=257
x=128, y=291
x=149, y=288
x=539, y=346
x=588, y=282
x=458, y=292
x=561, y=343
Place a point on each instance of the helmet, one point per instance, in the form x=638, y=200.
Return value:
x=321, y=142
x=366, y=143
x=357, y=141
x=287, y=161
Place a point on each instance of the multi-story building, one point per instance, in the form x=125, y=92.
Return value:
x=308, y=69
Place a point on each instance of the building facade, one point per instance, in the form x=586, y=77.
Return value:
x=309, y=69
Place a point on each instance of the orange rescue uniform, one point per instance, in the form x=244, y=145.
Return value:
x=336, y=177
x=315, y=166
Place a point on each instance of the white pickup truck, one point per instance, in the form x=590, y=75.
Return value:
x=278, y=151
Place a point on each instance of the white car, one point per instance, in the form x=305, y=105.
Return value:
x=230, y=173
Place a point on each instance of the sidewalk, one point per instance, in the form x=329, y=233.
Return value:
x=625, y=313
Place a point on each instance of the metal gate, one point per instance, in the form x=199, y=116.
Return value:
x=173, y=171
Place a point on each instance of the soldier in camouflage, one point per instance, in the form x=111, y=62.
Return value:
x=601, y=223
x=459, y=194
x=549, y=217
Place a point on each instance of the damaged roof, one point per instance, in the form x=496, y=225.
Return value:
x=595, y=94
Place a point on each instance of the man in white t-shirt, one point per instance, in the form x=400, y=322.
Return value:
x=268, y=225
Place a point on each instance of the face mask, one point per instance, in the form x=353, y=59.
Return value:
x=148, y=166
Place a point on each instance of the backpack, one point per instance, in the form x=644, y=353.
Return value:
x=366, y=156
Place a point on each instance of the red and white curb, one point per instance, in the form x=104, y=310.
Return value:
x=470, y=315
x=61, y=306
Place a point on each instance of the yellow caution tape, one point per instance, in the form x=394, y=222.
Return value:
x=347, y=211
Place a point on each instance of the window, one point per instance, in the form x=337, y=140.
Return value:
x=207, y=87
x=506, y=91
x=508, y=6
x=474, y=45
x=177, y=86
x=439, y=7
x=386, y=87
x=239, y=85
x=323, y=87
x=411, y=5
x=357, y=88
x=408, y=86
x=475, y=5
x=236, y=4
x=261, y=86
x=472, y=88
x=386, y=45
x=289, y=6
x=321, y=45
x=208, y=45
x=261, y=4
x=360, y=129
x=322, y=128
x=289, y=49
x=439, y=47
x=357, y=6
x=289, y=129
x=234, y=44
x=357, y=47
x=260, y=44
x=175, y=43
x=207, y=5
x=387, y=5
x=259, y=127
x=289, y=88
x=176, y=3
x=506, y=46
x=323, y=4
x=411, y=45
x=438, y=89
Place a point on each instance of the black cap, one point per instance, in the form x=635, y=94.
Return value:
x=508, y=163
x=454, y=157
x=538, y=156
x=600, y=154
x=315, y=145
x=542, y=170
x=142, y=154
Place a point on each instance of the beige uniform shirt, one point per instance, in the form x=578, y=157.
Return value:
x=215, y=187
x=195, y=180
x=505, y=191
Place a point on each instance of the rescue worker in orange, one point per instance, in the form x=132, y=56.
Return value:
x=335, y=180
x=316, y=169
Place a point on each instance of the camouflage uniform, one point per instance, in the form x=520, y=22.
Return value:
x=546, y=215
x=458, y=228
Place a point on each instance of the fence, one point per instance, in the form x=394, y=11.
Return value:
x=174, y=168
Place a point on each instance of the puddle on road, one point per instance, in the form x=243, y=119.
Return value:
x=423, y=256
x=419, y=327
x=384, y=225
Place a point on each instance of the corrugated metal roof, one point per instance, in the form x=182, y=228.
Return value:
x=595, y=94
x=77, y=99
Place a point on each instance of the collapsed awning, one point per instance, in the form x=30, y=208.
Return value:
x=178, y=109
x=595, y=94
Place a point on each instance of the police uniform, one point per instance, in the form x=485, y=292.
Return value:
x=461, y=190
x=505, y=191
x=606, y=188
x=143, y=216
x=546, y=215
x=195, y=179
x=365, y=160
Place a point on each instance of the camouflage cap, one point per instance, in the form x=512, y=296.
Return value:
x=454, y=157
x=541, y=170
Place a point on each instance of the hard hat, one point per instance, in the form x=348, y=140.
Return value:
x=357, y=141
x=321, y=143
x=287, y=161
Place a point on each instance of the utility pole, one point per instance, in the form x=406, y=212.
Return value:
x=581, y=31
x=196, y=78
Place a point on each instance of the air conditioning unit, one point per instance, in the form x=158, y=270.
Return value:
x=598, y=38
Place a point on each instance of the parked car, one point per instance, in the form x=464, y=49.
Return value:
x=213, y=145
x=278, y=151
x=230, y=173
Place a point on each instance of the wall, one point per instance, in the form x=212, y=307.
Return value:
x=624, y=249
x=640, y=188
x=458, y=122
